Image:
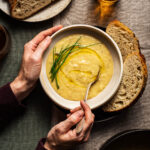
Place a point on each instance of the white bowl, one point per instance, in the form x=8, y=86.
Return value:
x=112, y=86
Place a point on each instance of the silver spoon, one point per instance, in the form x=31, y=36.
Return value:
x=79, y=126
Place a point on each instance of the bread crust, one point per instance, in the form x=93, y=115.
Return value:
x=13, y=4
x=119, y=24
x=140, y=56
x=143, y=60
x=145, y=72
x=125, y=28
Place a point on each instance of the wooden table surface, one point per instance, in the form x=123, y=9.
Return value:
x=25, y=131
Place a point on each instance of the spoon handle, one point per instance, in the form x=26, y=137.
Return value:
x=79, y=126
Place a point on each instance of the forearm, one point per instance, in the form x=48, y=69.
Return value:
x=21, y=88
x=9, y=106
x=44, y=145
x=47, y=146
x=41, y=145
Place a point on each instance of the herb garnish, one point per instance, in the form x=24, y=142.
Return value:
x=60, y=58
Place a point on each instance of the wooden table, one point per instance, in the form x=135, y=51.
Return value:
x=41, y=114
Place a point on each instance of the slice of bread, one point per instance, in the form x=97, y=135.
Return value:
x=133, y=82
x=124, y=37
x=21, y=9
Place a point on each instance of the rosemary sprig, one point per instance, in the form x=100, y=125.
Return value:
x=61, y=57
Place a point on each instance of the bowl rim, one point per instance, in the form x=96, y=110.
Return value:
x=115, y=46
x=122, y=134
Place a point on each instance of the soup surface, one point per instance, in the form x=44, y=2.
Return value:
x=80, y=67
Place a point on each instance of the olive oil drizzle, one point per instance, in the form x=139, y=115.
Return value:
x=60, y=58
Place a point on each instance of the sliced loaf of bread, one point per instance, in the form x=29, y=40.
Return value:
x=21, y=9
x=124, y=38
x=133, y=82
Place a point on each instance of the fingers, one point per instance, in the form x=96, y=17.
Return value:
x=68, y=115
x=42, y=35
x=43, y=46
x=87, y=111
x=71, y=121
x=88, y=134
x=41, y=41
x=87, y=126
x=89, y=120
x=75, y=109
x=64, y=132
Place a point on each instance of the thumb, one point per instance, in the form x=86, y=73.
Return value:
x=43, y=46
x=72, y=120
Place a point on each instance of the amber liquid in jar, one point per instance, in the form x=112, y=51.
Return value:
x=108, y=2
x=106, y=10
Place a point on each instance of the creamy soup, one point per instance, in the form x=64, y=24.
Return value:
x=81, y=67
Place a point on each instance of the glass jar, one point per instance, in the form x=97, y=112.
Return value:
x=106, y=9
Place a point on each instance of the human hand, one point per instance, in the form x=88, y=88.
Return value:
x=31, y=63
x=62, y=136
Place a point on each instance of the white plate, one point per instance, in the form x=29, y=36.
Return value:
x=112, y=86
x=52, y=10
